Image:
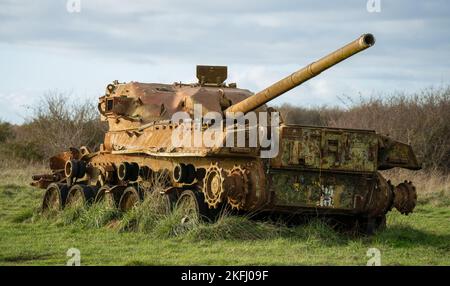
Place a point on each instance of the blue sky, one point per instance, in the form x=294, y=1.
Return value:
x=43, y=47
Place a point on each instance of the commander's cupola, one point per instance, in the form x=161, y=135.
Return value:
x=213, y=76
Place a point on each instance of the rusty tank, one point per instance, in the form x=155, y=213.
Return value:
x=319, y=171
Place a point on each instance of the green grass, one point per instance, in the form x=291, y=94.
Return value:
x=106, y=237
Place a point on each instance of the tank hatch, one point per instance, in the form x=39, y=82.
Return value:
x=211, y=75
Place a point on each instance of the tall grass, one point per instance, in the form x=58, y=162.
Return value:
x=229, y=227
x=88, y=216
x=19, y=171
x=145, y=216
x=148, y=218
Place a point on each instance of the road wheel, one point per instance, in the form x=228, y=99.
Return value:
x=130, y=198
x=79, y=195
x=169, y=201
x=110, y=195
x=162, y=203
x=192, y=206
x=54, y=198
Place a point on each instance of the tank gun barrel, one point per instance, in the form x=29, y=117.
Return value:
x=297, y=78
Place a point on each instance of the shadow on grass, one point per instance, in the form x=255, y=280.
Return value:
x=407, y=236
x=137, y=263
x=24, y=257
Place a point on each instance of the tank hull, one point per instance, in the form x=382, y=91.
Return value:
x=317, y=170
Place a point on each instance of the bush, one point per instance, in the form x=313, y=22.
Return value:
x=57, y=123
x=305, y=116
x=6, y=131
x=21, y=150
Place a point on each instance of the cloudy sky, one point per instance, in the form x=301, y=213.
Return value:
x=45, y=47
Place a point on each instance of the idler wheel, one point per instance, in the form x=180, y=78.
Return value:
x=405, y=197
x=54, y=197
x=79, y=195
x=130, y=198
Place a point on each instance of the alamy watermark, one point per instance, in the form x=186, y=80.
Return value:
x=73, y=6
x=235, y=130
x=374, y=255
x=373, y=6
x=75, y=257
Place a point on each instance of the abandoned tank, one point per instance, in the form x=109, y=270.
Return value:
x=320, y=171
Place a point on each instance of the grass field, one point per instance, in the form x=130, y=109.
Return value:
x=105, y=237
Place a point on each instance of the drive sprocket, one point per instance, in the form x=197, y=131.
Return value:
x=213, y=187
